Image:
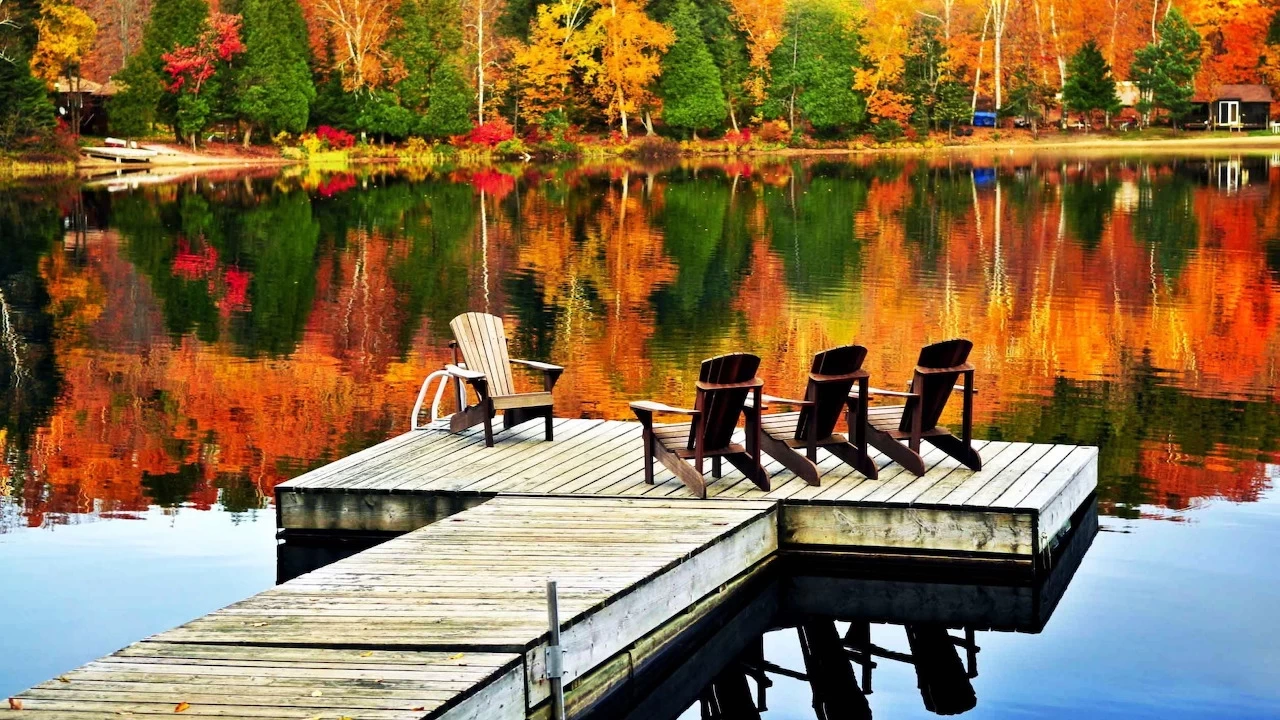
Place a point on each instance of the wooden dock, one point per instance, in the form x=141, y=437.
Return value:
x=449, y=621
x=1013, y=509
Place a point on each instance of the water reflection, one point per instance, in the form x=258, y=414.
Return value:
x=193, y=343
x=827, y=629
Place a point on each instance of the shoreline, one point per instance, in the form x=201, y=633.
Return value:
x=17, y=169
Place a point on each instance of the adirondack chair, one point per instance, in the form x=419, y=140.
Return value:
x=826, y=398
x=936, y=372
x=480, y=360
x=722, y=389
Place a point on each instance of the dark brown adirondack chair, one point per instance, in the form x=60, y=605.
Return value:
x=484, y=365
x=826, y=399
x=936, y=372
x=722, y=389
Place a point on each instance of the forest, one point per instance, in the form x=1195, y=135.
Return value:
x=545, y=72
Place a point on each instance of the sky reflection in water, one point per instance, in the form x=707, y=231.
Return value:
x=190, y=345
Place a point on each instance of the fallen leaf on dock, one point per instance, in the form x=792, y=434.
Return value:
x=259, y=624
x=420, y=708
x=15, y=704
x=182, y=707
x=316, y=693
x=458, y=656
x=64, y=678
x=366, y=653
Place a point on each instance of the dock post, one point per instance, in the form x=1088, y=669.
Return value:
x=555, y=655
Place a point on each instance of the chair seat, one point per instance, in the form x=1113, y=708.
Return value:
x=521, y=400
x=888, y=418
x=675, y=438
x=782, y=427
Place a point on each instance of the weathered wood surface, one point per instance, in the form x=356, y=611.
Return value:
x=229, y=681
x=1016, y=504
x=448, y=621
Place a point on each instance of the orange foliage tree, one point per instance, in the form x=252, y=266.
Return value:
x=561, y=50
x=358, y=30
x=761, y=21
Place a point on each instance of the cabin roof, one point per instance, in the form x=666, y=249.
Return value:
x=1242, y=92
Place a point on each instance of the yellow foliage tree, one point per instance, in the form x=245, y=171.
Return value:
x=761, y=20
x=885, y=28
x=561, y=47
x=630, y=59
x=66, y=35
x=358, y=31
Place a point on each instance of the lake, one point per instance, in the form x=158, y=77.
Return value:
x=171, y=350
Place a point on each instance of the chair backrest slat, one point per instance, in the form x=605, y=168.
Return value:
x=831, y=398
x=722, y=408
x=935, y=390
x=483, y=343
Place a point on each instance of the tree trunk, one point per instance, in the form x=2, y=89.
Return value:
x=647, y=121
x=480, y=61
x=795, y=56
x=733, y=117
x=1057, y=48
x=248, y=133
x=977, y=72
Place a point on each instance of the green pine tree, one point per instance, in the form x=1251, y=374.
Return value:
x=692, y=97
x=1165, y=70
x=428, y=41
x=953, y=105
x=275, y=87
x=449, y=107
x=143, y=100
x=812, y=69
x=1028, y=97
x=1090, y=86
x=25, y=109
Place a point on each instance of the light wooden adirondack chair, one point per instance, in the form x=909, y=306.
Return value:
x=936, y=372
x=831, y=377
x=484, y=365
x=722, y=388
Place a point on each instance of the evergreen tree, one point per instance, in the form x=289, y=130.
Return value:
x=1165, y=70
x=428, y=41
x=812, y=69
x=143, y=101
x=25, y=109
x=275, y=87
x=449, y=108
x=924, y=76
x=1090, y=86
x=953, y=105
x=1028, y=97
x=692, y=97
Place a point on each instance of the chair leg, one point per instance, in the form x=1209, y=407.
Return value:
x=550, y=432
x=488, y=423
x=715, y=466
x=902, y=454
x=648, y=455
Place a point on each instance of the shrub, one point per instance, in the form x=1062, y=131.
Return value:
x=885, y=131
x=738, y=138
x=775, y=131
x=417, y=146
x=492, y=133
x=334, y=138
x=656, y=148
x=511, y=146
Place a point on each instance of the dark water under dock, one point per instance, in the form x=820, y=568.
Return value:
x=172, y=352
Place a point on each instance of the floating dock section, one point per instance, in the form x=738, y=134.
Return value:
x=1011, y=510
x=449, y=621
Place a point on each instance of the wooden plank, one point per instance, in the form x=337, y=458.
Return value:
x=1021, y=483
x=835, y=525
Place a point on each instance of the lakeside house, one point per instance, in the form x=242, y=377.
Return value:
x=1230, y=107
x=83, y=99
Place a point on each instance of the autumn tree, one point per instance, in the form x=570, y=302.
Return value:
x=630, y=58
x=761, y=22
x=1090, y=86
x=813, y=68
x=358, y=30
x=885, y=29
x=561, y=52
x=192, y=68
x=67, y=34
x=691, y=93
x=1029, y=97
x=1165, y=70
x=275, y=87
x=484, y=47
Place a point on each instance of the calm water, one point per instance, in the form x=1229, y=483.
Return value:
x=169, y=352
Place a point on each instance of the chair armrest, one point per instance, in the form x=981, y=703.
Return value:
x=939, y=371
x=887, y=393
x=786, y=401
x=463, y=373
x=749, y=384
x=960, y=388
x=654, y=407
x=535, y=365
